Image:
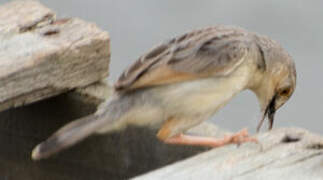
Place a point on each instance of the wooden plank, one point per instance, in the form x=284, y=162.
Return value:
x=286, y=153
x=41, y=56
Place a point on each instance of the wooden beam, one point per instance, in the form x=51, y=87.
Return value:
x=287, y=153
x=41, y=56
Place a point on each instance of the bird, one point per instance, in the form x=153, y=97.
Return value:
x=184, y=81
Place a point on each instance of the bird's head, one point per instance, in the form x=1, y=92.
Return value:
x=277, y=85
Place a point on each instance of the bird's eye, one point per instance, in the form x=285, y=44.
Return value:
x=284, y=92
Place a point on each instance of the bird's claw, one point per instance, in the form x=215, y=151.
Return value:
x=242, y=137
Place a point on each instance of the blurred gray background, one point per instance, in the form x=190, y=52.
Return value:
x=137, y=25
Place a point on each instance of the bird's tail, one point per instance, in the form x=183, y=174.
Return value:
x=73, y=132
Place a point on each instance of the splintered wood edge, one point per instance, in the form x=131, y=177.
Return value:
x=41, y=56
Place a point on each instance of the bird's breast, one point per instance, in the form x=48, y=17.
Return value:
x=202, y=96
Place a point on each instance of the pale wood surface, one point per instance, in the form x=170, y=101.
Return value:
x=41, y=56
x=286, y=153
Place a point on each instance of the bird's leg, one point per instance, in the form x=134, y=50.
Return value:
x=237, y=138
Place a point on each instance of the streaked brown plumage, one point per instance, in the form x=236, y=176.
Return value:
x=213, y=51
x=184, y=81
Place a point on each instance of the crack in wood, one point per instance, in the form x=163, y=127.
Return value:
x=315, y=146
x=51, y=32
x=290, y=138
x=46, y=19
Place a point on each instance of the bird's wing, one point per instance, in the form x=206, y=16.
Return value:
x=214, y=51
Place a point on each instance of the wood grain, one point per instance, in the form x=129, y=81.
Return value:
x=41, y=56
x=286, y=153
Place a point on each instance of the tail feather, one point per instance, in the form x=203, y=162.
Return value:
x=75, y=132
x=67, y=136
x=108, y=113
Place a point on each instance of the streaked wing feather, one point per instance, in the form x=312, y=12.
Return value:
x=215, y=51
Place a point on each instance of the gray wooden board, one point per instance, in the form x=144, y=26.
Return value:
x=286, y=153
x=41, y=56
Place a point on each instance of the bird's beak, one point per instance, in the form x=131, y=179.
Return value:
x=270, y=112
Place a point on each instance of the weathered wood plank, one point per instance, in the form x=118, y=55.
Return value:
x=287, y=153
x=41, y=56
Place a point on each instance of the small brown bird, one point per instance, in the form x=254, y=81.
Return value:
x=184, y=81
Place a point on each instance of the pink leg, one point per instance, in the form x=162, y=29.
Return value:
x=237, y=138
